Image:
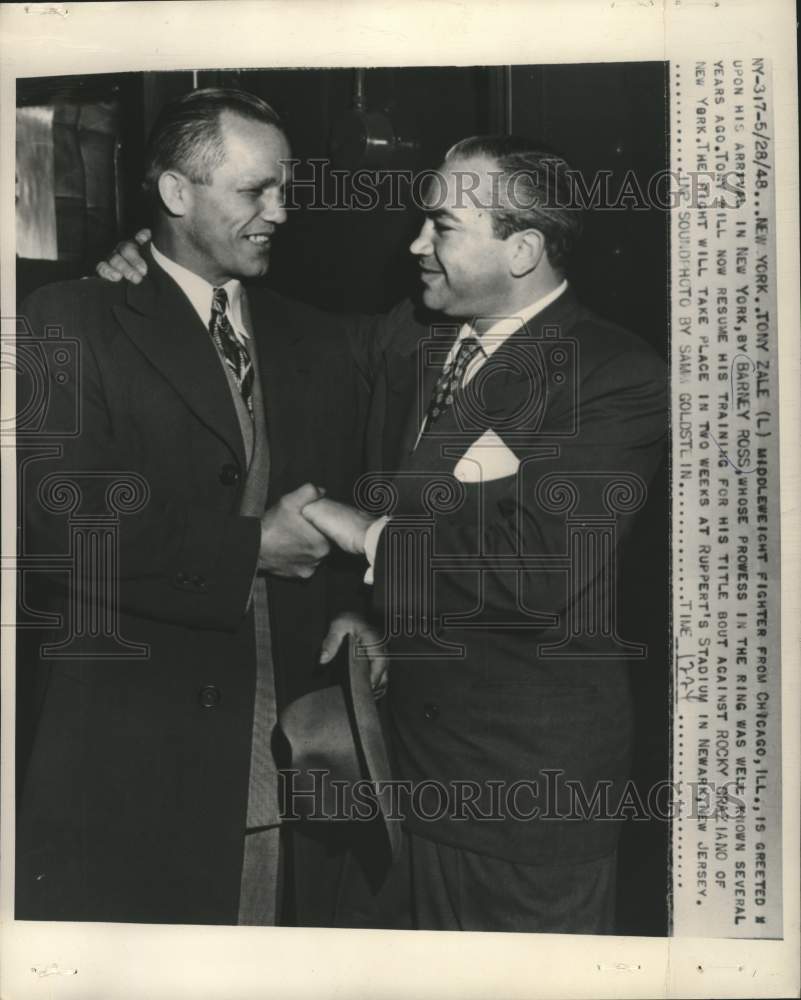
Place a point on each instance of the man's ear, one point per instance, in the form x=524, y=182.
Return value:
x=175, y=192
x=527, y=250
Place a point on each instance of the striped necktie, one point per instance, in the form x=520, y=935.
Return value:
x=451, y=379
x=236, y=357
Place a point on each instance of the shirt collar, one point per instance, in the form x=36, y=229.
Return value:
x=502, y=329
x=200, y=292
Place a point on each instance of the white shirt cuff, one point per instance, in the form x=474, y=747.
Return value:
x=371, y=537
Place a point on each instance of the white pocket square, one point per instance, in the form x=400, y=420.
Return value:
x=486, y=459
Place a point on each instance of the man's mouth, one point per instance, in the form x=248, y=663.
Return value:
x=258, y=239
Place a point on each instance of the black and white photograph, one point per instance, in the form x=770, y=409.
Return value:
x=398, y=540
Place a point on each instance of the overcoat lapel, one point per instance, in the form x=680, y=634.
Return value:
x=161, y=321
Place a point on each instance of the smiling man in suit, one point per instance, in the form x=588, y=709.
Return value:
x=515, y=433
x=150, y=791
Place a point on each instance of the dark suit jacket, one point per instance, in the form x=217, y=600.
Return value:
x=585, y=409
x=133, y=800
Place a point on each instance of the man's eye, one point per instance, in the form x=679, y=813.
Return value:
x=440, y=227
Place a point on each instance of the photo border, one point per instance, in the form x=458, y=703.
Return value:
x=121, y=960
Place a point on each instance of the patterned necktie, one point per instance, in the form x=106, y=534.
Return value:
x=451, y=379
x=236, y=357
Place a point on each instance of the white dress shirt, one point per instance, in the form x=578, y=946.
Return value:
x=499, y=331
x=200, y=293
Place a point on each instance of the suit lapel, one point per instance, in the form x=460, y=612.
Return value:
x=404, y=403
x=161, y=321
x=412, y=375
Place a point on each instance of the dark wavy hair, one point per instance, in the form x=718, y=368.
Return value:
x=535, y=191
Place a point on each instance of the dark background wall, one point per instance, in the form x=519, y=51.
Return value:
x=603, y=117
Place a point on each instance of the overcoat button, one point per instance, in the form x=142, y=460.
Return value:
x=229, y=475
x=209, y=696
x=430, y=711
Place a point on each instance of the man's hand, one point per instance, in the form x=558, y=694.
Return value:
x=290, y=545
x=345, y=526
x=365, y=636
x=126, y=261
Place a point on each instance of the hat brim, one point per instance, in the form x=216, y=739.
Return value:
x=335, y=740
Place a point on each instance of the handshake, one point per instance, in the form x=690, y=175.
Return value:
x=297, y=532
x=296, y=535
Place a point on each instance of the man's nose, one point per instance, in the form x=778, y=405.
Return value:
x=272, y=208
x=421, y=245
